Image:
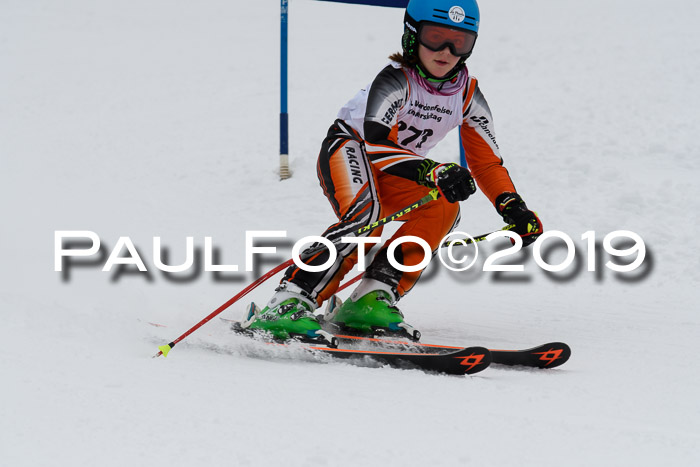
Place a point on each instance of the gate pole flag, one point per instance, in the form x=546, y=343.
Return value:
x=390, y=3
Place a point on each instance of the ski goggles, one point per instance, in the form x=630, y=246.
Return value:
x=436, y=37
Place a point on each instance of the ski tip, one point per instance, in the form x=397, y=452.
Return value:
x=552, y=355
x=164, y=349
x=473, y=359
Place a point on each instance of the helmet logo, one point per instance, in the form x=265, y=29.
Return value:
x=456, y=14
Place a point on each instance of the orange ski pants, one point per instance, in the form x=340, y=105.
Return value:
x=361, y=195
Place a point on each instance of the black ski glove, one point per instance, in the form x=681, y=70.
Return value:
x=453, y=181
x=514, y=211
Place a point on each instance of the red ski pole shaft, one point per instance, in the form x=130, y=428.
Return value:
x=164, y=349
x=350, y=282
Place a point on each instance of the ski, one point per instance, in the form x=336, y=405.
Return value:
x=455, y=361
x=462, y=361
x=550, y=355
x=430, y=357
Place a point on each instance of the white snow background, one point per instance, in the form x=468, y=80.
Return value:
x=160, y=118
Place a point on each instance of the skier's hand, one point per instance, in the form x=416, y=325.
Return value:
x=514, y=211
x=453, y=181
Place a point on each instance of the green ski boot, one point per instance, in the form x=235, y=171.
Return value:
x=372, y=313
x=288, y=315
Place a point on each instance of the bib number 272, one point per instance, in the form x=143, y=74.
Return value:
x=415, y=134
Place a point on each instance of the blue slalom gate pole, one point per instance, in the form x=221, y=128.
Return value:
x=462, y=157
x=284, y=116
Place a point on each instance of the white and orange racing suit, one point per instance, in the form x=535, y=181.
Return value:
x=373, y=163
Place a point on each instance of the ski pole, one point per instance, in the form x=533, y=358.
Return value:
x=431, y=196
x=479, y=238
x=165, y=349
x=446, y=244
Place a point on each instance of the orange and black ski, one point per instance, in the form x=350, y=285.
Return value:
x=550, y=355
x=455, y=361
x=461, y=361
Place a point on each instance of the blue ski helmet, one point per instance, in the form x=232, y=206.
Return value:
x=454, y=14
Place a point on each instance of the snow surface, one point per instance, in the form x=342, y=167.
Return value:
x=160, y=118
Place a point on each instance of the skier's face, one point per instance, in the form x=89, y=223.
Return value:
x=437, y=63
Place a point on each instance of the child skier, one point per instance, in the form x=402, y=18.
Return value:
x=373, y=163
